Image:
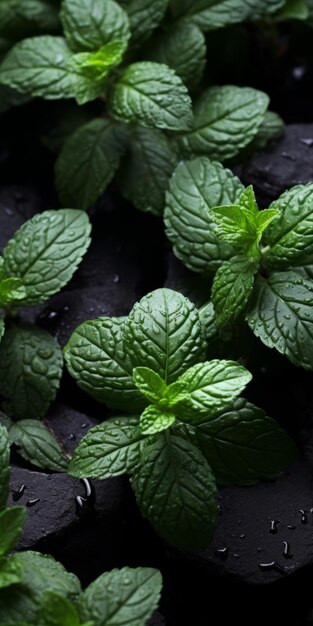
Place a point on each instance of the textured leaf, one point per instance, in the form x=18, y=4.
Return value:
x=210, y=386
x=19, y=19
x=11, y=291
x=45, y=252
x=154, y=419
x=126, y=596
x=144, y=16
x=163, y=332
x=10, y=573
x=196, y=187
x=11, y=527
x=183, y=48
x=57, y=610
x=146, y=169
x=38, y=445
x=110, y=449
x=88, y=24
x=232, y=287
x=30, y=370
x=152, y=95
x=208, y=320
x=98, y=147
x=225, y=121
x=176, y=492
x=290, y=237
x=96, y=358
x=149, y=383
x=212, y=14
x=281, y=315
x=293, y=10
x=4, y=466
x=242, y=444
x=40, y=573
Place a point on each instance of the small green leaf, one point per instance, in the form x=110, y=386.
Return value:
x=126, y=596
x=149, y=383
x=155, y=419
x=242, y=444
x=45, y=252
x=226, y=119
x=163, y=332
x=293, y=10
x=98, y=147
x=10, y=573
x=211, y=387
x=96, y=357
x=38, y=445
x=176, y=492
x=212, y=14
x=144, y=17
x=151, y=95
x=232, y=287
x=290, y=237
x=197, y=186
x=110, y=449
x=182, y=47
x=11, y=527
x=56, y=610
x=4, y=466
x=88, y=24
x=29, y=17
x=31, y=366
x=11, y=291
x=146, y=169
x=281, y=315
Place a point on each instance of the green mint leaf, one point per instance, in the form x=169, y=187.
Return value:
x=40, y=573
x=4, y=465
x=211, y=387
x=271, y=128
x=5, y=421
x=176, y=492
x=290, y=237
x=281, y=315
x=144, y=17
x=10, y=573
x=37, y=444
x=236, y=227
x=56, y=610
x=45, y=252
x=182, y=48
x=154, y=419
x=98, y=147
x=11, y=291
x=88, y=24
x=110, y=449
x=225, y=121
x=146, y=169
x=11, y=527
x=126, y=596
x=232, y=288
x=39, y=66
x=152, y=95
x=219, y=13
x=196, y=187
x=149, y=383
x=304, y=270
x=208, y=321
x=163, y=332
x=29, y=17
x=293, y=10
x=31, y=366
x=95, y=356
x=93, y=68
x=242, y=444
x=265, y=218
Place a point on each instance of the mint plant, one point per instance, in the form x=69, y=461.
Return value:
x=110, y=50
x=261, y=260
x=36, y=263
x=185, y=428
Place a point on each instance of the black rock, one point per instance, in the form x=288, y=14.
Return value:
x=18, y=203
x=156, y=620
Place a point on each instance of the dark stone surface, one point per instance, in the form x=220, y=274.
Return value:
x=17, y=204
x=156, y=620
x=281, y=165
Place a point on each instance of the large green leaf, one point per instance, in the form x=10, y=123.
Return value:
x=225, y=121
x=37, y=444
x=45, y=252
x=281, y=315
x=98, y=147
x=4, y=466
x=152, y=95
x=10, y=573
x=23, y=18
x=176, y=492
x=11, y=527
x=126, y=596
x=31, y=366
x=95, y=356
x=163, y=332
x=212, y=14
x=144, y=17
x=232, y=287
x=56, y=610
x=196, y=187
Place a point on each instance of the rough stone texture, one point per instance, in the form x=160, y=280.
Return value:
x=281, y=165
x=156, y=620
